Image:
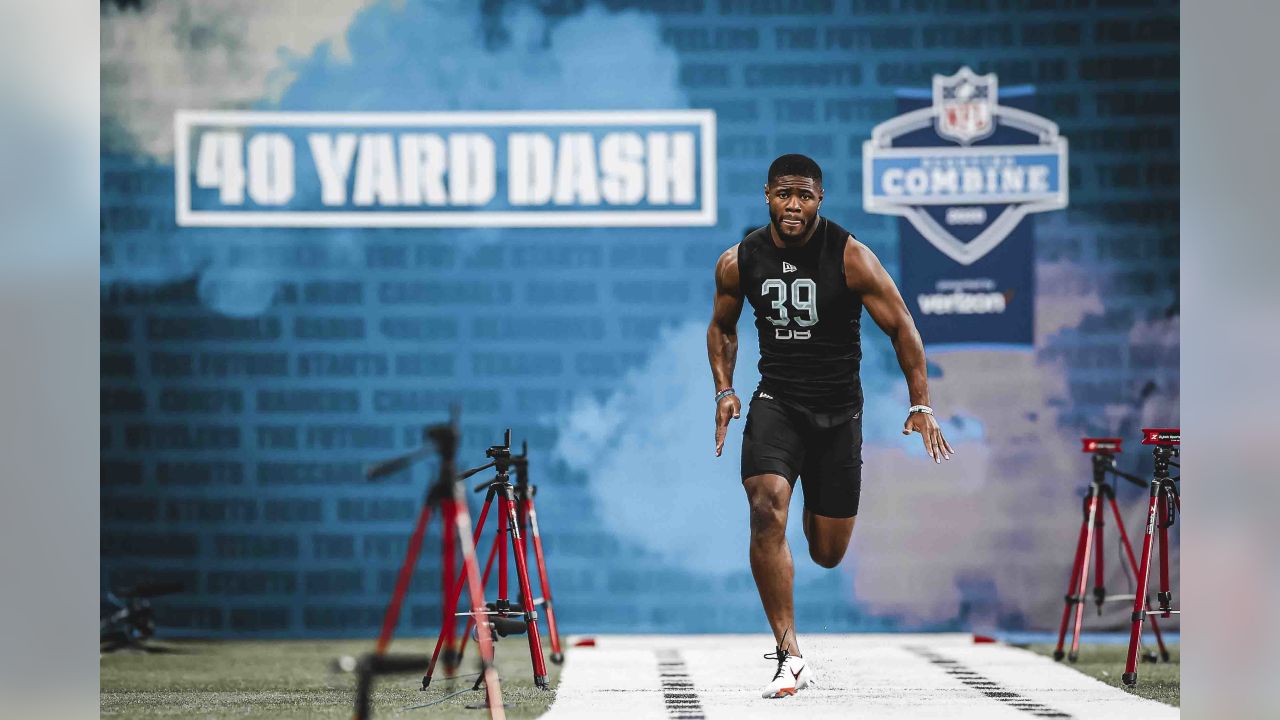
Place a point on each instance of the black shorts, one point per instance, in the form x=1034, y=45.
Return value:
x=823, y=449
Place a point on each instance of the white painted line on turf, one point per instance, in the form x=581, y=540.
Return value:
x=626, y=684
x=865, y=676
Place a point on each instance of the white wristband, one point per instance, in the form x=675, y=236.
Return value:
x=920, y=409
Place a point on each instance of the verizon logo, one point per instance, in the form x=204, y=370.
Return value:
x=963, y=303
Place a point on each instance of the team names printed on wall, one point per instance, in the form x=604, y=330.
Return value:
x=445, y=169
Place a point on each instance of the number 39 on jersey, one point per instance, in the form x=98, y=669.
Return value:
x=804, y=295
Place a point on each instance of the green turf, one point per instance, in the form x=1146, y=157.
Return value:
x=1156, y=681
x=292, y=679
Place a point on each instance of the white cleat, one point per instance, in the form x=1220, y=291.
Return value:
x=793, y=675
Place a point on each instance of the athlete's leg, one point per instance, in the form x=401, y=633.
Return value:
x=828, y=537
x=769, y=496
x=832, y=478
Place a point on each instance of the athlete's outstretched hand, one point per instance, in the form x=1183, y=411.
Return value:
x=934, y=444
x=727, y=409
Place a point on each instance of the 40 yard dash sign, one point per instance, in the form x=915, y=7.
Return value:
x=446, y=169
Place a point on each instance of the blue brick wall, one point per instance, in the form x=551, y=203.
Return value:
x=247, y=376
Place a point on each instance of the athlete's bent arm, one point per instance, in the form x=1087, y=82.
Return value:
x=722, y=340
x=865, y=275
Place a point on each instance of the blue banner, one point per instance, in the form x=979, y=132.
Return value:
x=962, y=167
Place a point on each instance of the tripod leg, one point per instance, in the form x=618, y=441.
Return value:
x=530, y=614
x=1130, y=676
x=557, y=656
x=475, y=592
x=522, y=515
x=448, y=622
x=505, y=525
x=392, y=616
x=1155, y=627
x=1099, y=580
x=364, y=688
x=1165, y=595
x=1090, y=524
x=484, y=582
x=1068, y=603
x=1133, y=563
x=457, y=594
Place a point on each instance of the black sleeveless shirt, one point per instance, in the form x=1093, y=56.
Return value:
x=808, y=319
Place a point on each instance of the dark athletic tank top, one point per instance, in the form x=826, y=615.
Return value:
x=808, y=319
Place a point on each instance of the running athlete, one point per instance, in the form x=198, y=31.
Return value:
x=807, y=280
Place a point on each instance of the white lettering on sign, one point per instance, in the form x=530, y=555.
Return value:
x=423, y=160
x=576, y=176
x=529, y=168
x=670, y=168
x=376, y=171
x=966, y=215
x=922, y=182
x=622, y=168
x=333, y=164
x=472, y=174
x=446, y=169
x=221, y=165
x=962, y=303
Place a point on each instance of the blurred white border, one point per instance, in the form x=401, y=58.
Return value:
x=1230, y=355
x=49, y=125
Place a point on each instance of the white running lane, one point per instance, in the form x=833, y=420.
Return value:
x=859, y=676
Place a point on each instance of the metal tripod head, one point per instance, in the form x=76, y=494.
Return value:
x=502, y=462
x=1165, y=442
x=441, y=438
x=131, y=620
x=521, y=464
x=1104, y=451
x=1164, y=455
x=501, y=454
x=1104, y=465
x=445, y=437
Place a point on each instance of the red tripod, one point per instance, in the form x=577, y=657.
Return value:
x=529, y=528
x=1160, y=515
x=1104, y=462
x=446, y=494
x=502, y=616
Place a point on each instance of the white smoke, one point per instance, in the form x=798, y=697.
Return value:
x=1158, y=337
x=335, y=55
x=649, y=452
x=1003, y=511
x=188, y=54
x=1065, y=294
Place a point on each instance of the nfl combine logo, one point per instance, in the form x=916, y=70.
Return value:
x=983, y=186
x=965, y=102
x=962, y=165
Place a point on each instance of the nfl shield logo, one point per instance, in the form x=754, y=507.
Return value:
x=964, y=104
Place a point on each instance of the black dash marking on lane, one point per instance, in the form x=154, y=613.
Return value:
x=678, y=694
x=985, y=685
